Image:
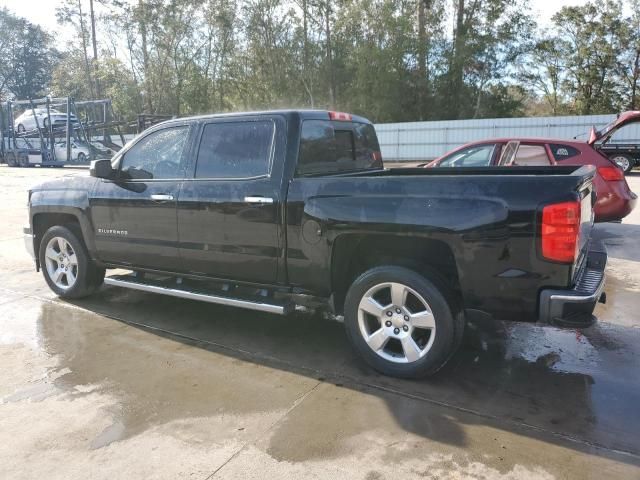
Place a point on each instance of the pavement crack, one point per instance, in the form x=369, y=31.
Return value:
x=296, y=403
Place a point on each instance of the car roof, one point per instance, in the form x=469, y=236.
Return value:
x=526, y=140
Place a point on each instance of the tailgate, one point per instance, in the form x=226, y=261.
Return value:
x=587, y=201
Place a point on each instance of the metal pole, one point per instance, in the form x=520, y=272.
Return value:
x=12, y=128
x=68, y=129
x=2, y=129
x=84, y=133
x=51, y=139
x=35, y=117
x=113, y=115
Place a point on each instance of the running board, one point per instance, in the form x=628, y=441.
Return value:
x=128, y=281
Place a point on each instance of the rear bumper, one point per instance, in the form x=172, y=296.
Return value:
x=574, y=307
x=615, y=205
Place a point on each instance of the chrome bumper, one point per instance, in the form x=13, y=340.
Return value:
x=574, y=307
x=28, y=241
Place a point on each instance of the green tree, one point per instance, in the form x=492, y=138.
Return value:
x=590, y=42
x=26, y=57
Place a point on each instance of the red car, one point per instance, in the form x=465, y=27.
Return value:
x=614, y=198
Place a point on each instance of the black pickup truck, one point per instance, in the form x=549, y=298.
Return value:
x=273, y=210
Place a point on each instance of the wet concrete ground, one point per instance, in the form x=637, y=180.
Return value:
x=133, y=385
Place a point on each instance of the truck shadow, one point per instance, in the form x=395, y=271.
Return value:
x=576, y=390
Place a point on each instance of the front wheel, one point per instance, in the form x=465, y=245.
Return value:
x=66, y=265
x=623, y=161
x=400, y=322
x=82, y=158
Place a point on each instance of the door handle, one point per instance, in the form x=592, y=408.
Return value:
x=261, y=200
x=161, y=197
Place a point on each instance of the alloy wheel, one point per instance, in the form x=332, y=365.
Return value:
x=622, y=162
x=396, y=322
x=61, y=263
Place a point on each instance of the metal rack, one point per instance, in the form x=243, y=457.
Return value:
x=86, y=121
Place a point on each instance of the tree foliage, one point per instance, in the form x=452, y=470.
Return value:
x=389, y=60
x=26, y=57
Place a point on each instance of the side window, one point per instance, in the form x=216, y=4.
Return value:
x=328, y=147
x=367, y=146
x=156, y=156
x=235, y=149
x=562, y=152
x=531, y=155
x=476, y=156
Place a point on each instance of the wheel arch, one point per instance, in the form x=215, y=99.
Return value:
x=353, y=254
x=43, y=218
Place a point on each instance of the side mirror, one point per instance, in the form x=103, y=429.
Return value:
x=101, y=168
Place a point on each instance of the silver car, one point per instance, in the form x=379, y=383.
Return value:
x=27, y=120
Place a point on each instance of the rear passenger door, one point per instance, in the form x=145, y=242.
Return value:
x=229, y=208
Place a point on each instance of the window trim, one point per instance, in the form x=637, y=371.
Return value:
x=271, y=155
x=120, y=158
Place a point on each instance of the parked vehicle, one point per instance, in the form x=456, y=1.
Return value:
x=625, y=155
x=271, y=210
x=615, y=200
x=79, y=151
x=27, y=120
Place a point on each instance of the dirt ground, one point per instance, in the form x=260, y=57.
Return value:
x=128, y=384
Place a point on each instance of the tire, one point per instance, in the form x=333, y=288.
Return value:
x=81, y=158
x=23, y=161
x=60, y=247
x=20, y=128
x=45, y=123
x=625, y=162
x=404, y=341
x=11, y=159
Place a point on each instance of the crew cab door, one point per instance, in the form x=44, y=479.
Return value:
x=134, y=215
x=229, y=210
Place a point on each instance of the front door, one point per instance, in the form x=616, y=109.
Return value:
x=229, y=208
x=134, y=216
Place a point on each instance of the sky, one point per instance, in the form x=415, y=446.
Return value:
x=43, y=12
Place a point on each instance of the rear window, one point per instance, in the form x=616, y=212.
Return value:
x=331, y=147
x=562, y=152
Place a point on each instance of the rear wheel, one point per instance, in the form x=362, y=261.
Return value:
x=21, y=128
x=66, y=265
x=82, y=157
x=401, y=323
x=625, y=162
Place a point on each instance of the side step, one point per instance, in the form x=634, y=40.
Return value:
x=174, y=290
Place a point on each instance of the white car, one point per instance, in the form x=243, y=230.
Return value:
x=79, y=152
x=27, y=121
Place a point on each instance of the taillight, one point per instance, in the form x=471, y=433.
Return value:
x=341, y=116
x=560, y=231
x=611, y=174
